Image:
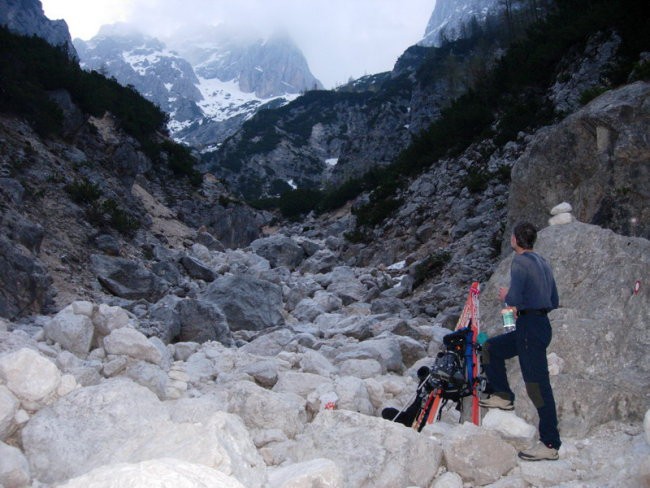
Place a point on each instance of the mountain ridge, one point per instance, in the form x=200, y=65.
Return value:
x=226, y=82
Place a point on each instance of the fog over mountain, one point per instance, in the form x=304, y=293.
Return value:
x=209, y=80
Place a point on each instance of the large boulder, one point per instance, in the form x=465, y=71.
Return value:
x=477, y=455
x=118, y=421
x=279, y=250
x=30, y=377
x=25, y=285
x=259, y=408
x=600, y=330
x=196, y=269
x=9, y=405
x=73, y=331
x=130, y=342
x=371, y=452
x=127, y=279
x=248, y=303
x=317, y=472
x=14, y=468
x=202, y=321
x=156, y=472
x=596, y=159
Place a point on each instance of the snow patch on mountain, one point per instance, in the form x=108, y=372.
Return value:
x=223, y=99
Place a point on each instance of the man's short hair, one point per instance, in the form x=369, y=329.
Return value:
x=525, y=235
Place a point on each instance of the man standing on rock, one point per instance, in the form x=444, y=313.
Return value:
x=532, y=294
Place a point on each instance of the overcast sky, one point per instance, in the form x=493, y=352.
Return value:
x=339, y=38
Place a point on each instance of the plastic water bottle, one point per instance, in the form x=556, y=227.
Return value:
x=508, y=317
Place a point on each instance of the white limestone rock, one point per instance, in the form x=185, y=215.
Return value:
x=301, y=384
x=14, y=468
x=555, y=364
x=510, y=427
x=644, y=471
x=646, y=426
x=68, y=384
x=477, y=455
x=4, y=325
x=323, y=473
x=370, y=451
x=199, y=368
x=314, y=362
x=353, y=395
x=511, y=481
x=82, y=307
x=386, y=350
x=561, y=208
x=119, y=421
x=156, y=473
x=260, y=408
x=30, y=377
x=107, y=319
x=547, y=473
x=114, y=366
x=130, y=342
x=9, y=405
x=361, y=368
x=74, y=332
x=448, y=480
x=150, y=376
x=561, y=219
x=264, y=372
x=183, y=350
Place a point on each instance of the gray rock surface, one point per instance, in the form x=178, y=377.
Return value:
x=201, y=321
x=596, y=159
x=127, y=279
x=604, y=347
x=25, y=285
x=279, y=251
x=248, y=303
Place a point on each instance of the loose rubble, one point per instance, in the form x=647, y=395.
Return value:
x=291, y=396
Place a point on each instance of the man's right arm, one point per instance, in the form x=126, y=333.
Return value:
x=515, y=297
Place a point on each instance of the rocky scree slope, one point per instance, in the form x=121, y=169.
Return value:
x=87, y=397
x=63, y=201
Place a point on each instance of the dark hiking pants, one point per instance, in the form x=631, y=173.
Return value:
x=528, y=341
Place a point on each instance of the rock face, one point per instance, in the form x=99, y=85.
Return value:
x=25, y=285
x=26, y=17
x=451, y=19
x=597, y=159
x=603, y=347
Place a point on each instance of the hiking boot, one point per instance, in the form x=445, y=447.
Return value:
x=539, y=452
x=494, y=401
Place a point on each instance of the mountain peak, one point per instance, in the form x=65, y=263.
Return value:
x=26, y=17
x=450, y=16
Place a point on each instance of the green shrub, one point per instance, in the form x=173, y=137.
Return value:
x=591, y=93
x=181, y=161
x=120, y=220
x=83, y=191
x=641, y=71
x=477, y=179
x=30, y=68
x=357, y=237
x=298, y=202
x=376, y=211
